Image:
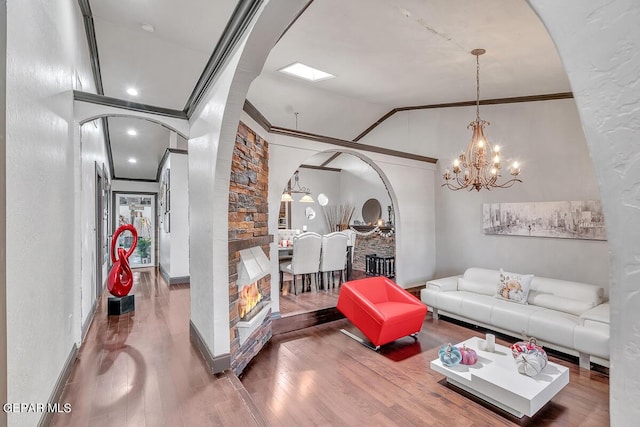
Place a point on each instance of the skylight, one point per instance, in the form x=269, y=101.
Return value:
x=298, y=69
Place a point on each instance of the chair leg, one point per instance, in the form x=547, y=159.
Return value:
x=295, y=290
x=281, y=279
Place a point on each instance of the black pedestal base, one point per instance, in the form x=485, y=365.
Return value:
x=117, y=306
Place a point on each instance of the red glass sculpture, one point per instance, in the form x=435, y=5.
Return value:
x=120, y=279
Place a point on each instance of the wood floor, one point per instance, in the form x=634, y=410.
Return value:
x=303, y=302
x=321, y=377
x=143, y=370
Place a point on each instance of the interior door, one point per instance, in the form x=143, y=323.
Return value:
x=102, y=228
x=139, y=210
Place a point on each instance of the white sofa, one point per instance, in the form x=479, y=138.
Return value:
x=567, y=316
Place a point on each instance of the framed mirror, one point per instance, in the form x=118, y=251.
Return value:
x=371, y=211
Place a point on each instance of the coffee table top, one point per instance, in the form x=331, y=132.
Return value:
x=496, y=375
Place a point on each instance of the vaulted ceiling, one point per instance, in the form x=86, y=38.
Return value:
x=385, y=54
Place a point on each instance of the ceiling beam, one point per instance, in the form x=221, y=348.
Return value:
x=320, y=168
x=108, y=101
x=350, y=144
x=238, y=23
x=256, y=115
x=90, y=31
x=331, y=159
x=529, y=98
x=253, y=112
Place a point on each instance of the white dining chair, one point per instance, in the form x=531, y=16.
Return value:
x=304, y=261
x=334, y=255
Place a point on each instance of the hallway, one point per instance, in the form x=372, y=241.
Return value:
x=142, y=370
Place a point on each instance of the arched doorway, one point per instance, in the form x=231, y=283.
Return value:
x=350, y=183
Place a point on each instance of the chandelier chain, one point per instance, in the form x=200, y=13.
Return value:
x=477, y=88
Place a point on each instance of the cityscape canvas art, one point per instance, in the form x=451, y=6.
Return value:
x=565, y=219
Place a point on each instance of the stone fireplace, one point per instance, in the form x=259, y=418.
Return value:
x=249, y=241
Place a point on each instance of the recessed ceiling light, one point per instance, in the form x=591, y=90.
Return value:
x=132, y=132
x=132, y=160
x=132, y=91
x=148, y=27
x=298, y=69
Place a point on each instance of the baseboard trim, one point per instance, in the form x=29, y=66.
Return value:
x=87, y=323
x=164, y=274
x=56, y=394
x=178, y=280
x=216, y=364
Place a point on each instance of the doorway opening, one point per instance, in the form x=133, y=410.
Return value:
x=139, y=210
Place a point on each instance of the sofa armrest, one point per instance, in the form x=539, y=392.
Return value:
x=598, y=315
x=398, y=294
x=446, y=284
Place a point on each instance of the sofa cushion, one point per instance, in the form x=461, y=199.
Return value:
x=450, y=301
x=592, y=294
x=554, y=302
x=553, y=326
x=514, y=287
x=512, y=317
x=477, y=307
x=484, y=288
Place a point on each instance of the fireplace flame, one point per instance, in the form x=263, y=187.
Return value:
x=249, y=297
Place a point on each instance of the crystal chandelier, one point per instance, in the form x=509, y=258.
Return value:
x=297, y=189
x=479, y=165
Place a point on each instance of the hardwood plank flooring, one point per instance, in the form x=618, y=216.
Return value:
x=304, y=302
x=319, y=376
x=141, y=369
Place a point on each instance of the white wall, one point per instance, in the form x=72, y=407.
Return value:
x=164, y=238
x=598, y=43
x=174, y=246
x=327, y=182
x=93, y=151
x=547, y=138
x=43, y=223
x=361, y=185
x=134, y=186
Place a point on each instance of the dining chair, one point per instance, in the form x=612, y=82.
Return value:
x=304, y=261
x=334, y=255
x=352, y=241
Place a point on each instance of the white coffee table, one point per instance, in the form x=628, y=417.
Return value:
x=495, y=379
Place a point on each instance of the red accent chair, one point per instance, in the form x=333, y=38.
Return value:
x=381, y=309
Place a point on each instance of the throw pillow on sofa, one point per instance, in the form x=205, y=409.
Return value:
x=514, y=287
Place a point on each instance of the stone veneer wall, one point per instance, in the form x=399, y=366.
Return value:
x=248, y=218
x=373, y=244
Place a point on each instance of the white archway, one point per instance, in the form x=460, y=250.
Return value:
x=86, y=111
x=598, y=43
x=278, y=179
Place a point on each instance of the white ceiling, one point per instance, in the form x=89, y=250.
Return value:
x=385, y=54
